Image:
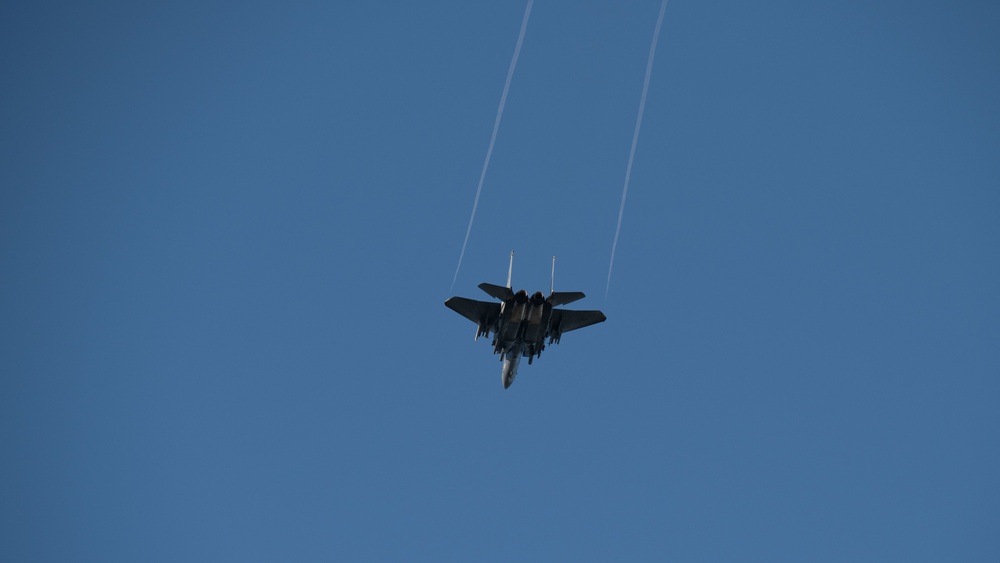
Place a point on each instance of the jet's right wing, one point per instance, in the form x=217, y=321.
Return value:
x=565, y=321
x=483, y=313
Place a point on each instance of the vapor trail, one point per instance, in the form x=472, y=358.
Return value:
x=493, y=137
x=635, y=139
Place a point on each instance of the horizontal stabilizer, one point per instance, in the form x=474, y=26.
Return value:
x=565, y=297
x=500, y=292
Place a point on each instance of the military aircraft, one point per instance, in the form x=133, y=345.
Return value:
x=520, y=324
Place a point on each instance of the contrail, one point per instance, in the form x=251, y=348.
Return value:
x=493, y=137
x=635, y=139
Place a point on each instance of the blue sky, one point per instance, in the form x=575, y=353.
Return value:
x=227, y=232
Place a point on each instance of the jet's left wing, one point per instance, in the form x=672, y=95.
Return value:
x=565, y=321
x=483, y=313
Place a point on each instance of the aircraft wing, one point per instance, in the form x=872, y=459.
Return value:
x=565, y=321
x=484, y=313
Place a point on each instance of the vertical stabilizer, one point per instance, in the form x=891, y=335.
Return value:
x=552, y=284
x=510, y=269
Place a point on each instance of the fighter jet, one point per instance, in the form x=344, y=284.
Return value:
x=519, y=323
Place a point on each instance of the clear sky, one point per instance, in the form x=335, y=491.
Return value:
x=227, y=232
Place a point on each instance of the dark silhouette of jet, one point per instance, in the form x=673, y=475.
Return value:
x=519, y=323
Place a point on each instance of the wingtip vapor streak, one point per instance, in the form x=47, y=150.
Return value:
x=520, y=323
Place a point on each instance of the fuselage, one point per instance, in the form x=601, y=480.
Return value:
x=520, y=331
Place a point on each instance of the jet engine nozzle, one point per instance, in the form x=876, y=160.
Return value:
x=521, y=297
x=537, y=299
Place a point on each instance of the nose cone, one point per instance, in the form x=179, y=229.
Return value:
x=510, y=360
x=508, y=374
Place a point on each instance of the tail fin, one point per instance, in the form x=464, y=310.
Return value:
x=563, y=297
x=510, y=269
x=501, y=293
x=552, y=284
